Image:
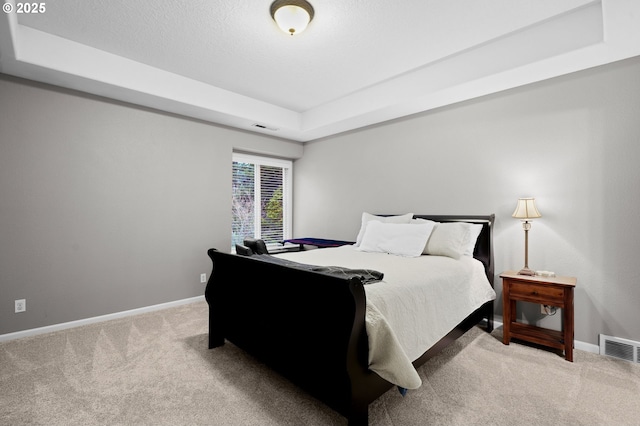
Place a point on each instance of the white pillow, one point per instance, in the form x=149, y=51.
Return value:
x=448, y=239
x=474, y=233
x=401, y=239
x=367, y=217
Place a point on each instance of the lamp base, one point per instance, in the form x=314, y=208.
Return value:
x=526, y=271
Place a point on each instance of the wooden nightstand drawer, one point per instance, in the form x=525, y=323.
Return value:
x=543, y=294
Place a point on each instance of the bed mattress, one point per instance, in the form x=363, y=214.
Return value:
x=419, y=300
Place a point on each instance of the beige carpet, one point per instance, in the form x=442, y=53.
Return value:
x=155, y=369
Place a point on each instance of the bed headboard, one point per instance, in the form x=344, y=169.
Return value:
x=484, y=246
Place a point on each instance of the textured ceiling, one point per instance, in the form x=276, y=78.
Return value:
x=358, y=63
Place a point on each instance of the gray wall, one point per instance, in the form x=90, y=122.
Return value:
x=572, y=142
x=106, y=207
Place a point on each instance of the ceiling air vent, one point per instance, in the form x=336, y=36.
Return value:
x=263, y=127
x=616, y=347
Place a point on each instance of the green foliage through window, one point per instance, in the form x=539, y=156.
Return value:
x=259, y=200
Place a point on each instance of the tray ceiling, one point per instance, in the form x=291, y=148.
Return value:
x=358, y=63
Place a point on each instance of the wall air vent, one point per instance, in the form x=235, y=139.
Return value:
x=617, y=347
x=263, y=127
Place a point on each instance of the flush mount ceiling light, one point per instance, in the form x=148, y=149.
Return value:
x=292, y=16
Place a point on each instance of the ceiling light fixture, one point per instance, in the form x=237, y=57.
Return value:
x=292, y=16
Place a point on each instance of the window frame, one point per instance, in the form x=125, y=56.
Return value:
x=287, y=192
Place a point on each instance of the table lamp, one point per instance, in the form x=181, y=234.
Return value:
x=525, y=211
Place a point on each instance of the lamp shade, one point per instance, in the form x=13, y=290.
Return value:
x=526, y=209
x=292, y=16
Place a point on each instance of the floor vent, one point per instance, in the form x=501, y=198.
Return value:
x=616, y=347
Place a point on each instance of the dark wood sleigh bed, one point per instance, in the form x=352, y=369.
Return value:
x=316, y=339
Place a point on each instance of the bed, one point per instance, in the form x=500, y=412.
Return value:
x=319, y=318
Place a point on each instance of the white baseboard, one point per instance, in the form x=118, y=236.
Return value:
x=587, y=347
x=582, y=346
x=93, y=320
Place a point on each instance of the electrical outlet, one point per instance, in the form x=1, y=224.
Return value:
x=203, y=278
x=21, y=305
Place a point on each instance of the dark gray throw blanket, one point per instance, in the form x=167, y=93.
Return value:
x=366, y=276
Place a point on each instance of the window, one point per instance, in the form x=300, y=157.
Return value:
x=261, y=205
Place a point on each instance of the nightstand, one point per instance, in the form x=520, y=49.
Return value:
x=553, y=291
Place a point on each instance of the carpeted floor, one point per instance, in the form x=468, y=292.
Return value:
x=155, y=369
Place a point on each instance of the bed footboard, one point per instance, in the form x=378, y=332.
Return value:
x=284, y=323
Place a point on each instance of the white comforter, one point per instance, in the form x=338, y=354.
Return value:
x=418, y=302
